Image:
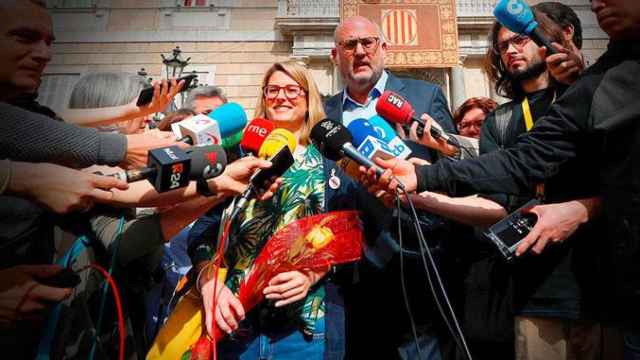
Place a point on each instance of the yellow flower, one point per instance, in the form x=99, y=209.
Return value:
x=319, y=237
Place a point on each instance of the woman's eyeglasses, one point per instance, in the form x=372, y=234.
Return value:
x=290, y=91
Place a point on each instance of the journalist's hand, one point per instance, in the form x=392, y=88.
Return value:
x=23, y=297
x=62, y=189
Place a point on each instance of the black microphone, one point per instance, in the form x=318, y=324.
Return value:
x=277, y=147
x=170, y=168
x=334, y=141
x=207, y=161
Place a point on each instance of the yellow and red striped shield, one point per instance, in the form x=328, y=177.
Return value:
x=400, y=27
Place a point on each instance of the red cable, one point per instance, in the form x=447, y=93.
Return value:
x=217, y=262
x=116, y=295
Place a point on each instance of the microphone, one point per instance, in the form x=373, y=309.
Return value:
x=387, y=134
x=225, y=121
x=516, y=15
x=334, y=142
x=231, y=119
x=207, y=162
x=278, y=148
x=367, y=141
x=395, y=108
x=275, y=141
x=171, y=167
x=232, y=141
x=254, y=135
x=199, y=130
x=368, y=144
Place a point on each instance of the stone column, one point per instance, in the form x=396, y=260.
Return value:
x=457, y=84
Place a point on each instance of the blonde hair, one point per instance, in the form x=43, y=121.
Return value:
x=300, y=74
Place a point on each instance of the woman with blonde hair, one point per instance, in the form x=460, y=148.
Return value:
x=302, y=315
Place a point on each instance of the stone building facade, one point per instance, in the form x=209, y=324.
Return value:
x=232, y=42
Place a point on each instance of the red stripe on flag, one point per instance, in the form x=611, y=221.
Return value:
x=410, y=26
x=396, y=23
x=402, y=26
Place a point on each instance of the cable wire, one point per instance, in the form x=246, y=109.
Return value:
x=424, y=248
x=404, y=286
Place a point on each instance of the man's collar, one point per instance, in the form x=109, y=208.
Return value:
x=375, y=92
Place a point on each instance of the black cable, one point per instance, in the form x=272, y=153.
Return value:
x=424, y=248
x=403, y=284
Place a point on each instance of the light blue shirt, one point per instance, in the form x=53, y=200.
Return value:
x=352, y=110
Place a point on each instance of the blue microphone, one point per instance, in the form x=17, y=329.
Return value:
x=231, y=119
x=388, y=135
x=516, y=15
x=360, y=129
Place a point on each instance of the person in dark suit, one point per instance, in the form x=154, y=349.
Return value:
x=376, y=298
x=359, y=54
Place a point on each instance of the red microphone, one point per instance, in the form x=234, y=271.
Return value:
x=254, y=135
x=396, y=109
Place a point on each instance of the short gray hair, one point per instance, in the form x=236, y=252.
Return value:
x=97, y=90
x=204, y=92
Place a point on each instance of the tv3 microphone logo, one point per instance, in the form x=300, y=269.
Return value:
x=515, y=7
x=176, y=175
x=213, y=167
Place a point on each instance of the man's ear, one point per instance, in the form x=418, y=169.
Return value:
x=384, y=47
x=567, y=32
x=334, y=54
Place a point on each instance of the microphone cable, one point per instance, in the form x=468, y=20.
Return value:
x=457, y=333
x=403, y=284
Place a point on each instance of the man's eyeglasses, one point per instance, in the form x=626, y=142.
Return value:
x=290, y=91
x=369, y=44
x=518, y=41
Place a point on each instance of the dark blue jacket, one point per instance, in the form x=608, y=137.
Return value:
x=425, y=98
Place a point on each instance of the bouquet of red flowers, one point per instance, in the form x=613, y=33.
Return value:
x=313, y=243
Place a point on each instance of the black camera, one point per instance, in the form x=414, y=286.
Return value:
x=507, y=234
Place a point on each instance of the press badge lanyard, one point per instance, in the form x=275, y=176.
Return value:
x=528, y=123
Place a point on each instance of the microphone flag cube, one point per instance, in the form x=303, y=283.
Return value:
x=201, y=129
x=172, y=167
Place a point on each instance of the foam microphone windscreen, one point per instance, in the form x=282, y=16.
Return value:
x=277, y=139
x=254, y=135
x=329, y=137
x=360, y=129
x=230, y=117
x=515, y=15
x=207, y=161
x=385, y=132
x=394, y=108
x=278, y=148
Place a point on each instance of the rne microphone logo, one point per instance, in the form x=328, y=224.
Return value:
x=258, y=130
